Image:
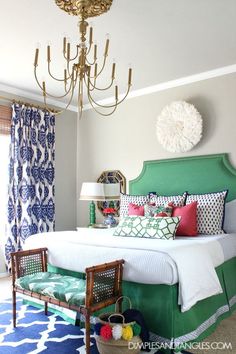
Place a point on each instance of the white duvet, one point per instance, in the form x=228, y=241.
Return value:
x=191, y=263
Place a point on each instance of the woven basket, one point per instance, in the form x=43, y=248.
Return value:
x=119, y=346
x=105, y=317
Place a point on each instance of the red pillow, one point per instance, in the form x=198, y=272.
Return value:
x=188, y=221
x=134, y=209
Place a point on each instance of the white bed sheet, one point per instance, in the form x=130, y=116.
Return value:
x=147, y=260
x=189, y=262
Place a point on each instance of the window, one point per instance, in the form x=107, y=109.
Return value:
x=5, y=120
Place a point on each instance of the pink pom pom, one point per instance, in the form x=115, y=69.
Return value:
x=106, y=332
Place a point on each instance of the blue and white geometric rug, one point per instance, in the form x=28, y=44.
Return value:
x=38, y=333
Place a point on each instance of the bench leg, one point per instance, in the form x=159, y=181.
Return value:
x=14, y=307
x=87, y=333
x=45, y=308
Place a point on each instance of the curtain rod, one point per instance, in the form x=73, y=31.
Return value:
x=29, y=104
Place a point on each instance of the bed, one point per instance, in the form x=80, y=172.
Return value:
x=153, y=282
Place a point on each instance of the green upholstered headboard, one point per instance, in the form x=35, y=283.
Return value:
x=196, y=174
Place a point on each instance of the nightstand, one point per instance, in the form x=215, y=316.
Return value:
x=95, y=226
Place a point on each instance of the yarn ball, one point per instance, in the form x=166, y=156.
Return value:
x=97, y=328
x=127, y=333
x=136, y=329
x=117, y=332
x=106, y=332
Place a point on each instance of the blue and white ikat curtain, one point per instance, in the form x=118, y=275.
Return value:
x=31, y=207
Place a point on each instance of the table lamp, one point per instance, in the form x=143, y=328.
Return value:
x=112, y=191
x=93, y=192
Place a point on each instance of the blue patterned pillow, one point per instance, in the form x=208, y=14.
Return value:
x=142, y=226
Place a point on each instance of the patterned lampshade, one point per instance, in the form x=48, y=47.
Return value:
x=92, y=191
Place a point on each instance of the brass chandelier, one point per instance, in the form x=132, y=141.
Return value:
x=82, y=69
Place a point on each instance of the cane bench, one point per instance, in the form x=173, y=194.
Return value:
x=100, y=288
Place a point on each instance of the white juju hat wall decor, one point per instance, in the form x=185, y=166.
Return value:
x=179, y=127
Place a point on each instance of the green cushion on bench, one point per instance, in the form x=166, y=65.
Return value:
x=61, y=287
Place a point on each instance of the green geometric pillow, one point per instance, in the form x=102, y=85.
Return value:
x=148, y=227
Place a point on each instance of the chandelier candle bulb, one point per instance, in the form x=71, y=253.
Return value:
x=64, y=45
x=113, y=71
x=44, y=89
x=48, y=53
x=68, y=51
x=106, y=47
x=95, y=70
x=36, y=57
x=95, y=52
x=130, y=77
x=91, y=35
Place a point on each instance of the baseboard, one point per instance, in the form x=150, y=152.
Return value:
x=3, y=275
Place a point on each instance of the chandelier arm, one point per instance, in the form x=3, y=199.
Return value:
x=102, y=68
x=48, y=94
x=52, y=76
x=77, y=53
x=94, y=87
x=49, y=109
x=63, y=110
x=88, y=62
x=101, y=113
x=89, y=49
x=80, y=95
x=89, y=81
x=36, y=78
x=68, y=69
x=71, y=59
x=109, y=106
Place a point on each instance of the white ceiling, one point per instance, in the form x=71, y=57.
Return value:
x=163, y=39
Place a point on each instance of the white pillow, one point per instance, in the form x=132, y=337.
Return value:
x=230, y=217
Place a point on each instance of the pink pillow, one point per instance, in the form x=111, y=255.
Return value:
x=188, y=221
x=134, y=209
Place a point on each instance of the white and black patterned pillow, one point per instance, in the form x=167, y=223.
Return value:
x=210, y=212
x=126, y=199
x=162, y=200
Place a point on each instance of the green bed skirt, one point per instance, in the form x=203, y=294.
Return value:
x=166, y=322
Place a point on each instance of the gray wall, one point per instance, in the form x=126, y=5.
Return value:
x=126, y=139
